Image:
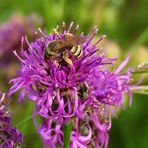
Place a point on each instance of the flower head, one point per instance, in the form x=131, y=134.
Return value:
x=9, y=135
x=12, y=31
x=70, y=82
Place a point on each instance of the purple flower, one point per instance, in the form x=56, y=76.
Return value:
x=9, y=136
x=12, y=31
x=81, y=90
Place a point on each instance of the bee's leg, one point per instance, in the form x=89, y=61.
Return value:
x=66, y=57
x=80, y=53
x=49, y=53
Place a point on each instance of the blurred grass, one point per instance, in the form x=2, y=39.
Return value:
x=130, y=130
x=125, y=22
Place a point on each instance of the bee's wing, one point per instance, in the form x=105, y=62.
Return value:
x=80, y=40
x=75, y=40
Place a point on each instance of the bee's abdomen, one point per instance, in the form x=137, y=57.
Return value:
x=76, y=51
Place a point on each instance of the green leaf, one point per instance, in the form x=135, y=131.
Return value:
x=67, y=133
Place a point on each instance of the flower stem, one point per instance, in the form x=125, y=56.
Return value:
x=25, y=120
x=67, y=133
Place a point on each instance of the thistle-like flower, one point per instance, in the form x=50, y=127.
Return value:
x=12, y=31
x=9, y=136
x=70, y=82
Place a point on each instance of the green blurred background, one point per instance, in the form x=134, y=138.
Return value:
x=125, y=22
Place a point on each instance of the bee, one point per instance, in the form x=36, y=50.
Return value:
x=61, y=48
x=65, y=47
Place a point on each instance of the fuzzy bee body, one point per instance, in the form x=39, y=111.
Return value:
x=67, y=46
x=77, y=51
x=60, y=48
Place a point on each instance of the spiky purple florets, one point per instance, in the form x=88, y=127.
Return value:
x=9, y=136
x=84, y=92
